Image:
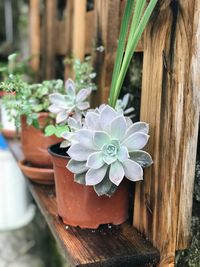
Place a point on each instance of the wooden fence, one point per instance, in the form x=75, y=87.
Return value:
x=170, y=99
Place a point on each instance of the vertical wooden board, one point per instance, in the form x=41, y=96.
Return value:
x=34, y=36
x=107, y=31
x=60, y=37
x=171, y=106
x=185, y=203
x=89, y=32
x=69, y=33
x=49, y=47
x=79, y=21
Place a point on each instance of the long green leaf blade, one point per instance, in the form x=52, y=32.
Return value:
x=131, y=49
x=121, y=45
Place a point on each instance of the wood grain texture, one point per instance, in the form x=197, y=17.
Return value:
x=79, y=23
x=107, y=32
x=170, y=103
x=49, y=42
x=34, y=37
x=89, y=32
x=60, y=37
x=106, y=246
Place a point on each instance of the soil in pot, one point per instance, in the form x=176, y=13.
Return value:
x=35, y=143
x=79, y=205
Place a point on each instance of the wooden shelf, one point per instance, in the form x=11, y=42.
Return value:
x=107, y=246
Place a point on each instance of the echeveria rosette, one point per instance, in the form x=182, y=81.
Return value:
x=72, y=104
x=107, y=149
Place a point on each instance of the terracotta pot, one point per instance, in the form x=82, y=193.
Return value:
x=79, y=205
x=36, y=174
x=35, y=143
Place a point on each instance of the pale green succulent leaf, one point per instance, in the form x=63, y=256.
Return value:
x=106, y=116
x=54, y=109
x=142, y=127
x=136, y=141
x=132, y=170
x=57, y=99
x=95, y=176
x=61, y=116
x=105, y=187
x=92, y=120
x=79, y=152
x=65, y=143
x=101, y=138
x=142, y=158
x=123, y=154
x=74, y=124
x=80, y=178
x=70, y=87
x=83, y=95
x=82, y=105
x=118, y=127
x=95, y=160
x=109, y=159
x=116, y=173
x=77, y=166
x=85, y=137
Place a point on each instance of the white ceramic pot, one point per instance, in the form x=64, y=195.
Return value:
x=16, y=209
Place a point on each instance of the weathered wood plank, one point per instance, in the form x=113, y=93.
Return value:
x=89, y=32
x=107, y=32
x=79, y=22
x=106, y=246
x=34, y=37
x=60, y=38
x=170, y=103
x=192, y=109
x=69, y=33
x=49, y=47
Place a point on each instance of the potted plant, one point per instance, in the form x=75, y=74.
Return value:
x=17, y=66
x=28, y=107
x=104, y=144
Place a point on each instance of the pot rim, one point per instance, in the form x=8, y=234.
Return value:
x=52, y=153
x=40, y=114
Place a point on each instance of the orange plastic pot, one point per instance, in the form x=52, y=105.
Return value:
x=35, y=144
x=79, y=205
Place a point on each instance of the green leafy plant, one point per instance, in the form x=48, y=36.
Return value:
x=84, y=73
x=137, y=22
x=17, y=66
x=29, y=100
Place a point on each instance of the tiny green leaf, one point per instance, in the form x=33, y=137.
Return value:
x=49, y=130
x=61, y=129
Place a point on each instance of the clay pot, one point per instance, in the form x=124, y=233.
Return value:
x=35, y=143
x=79, y=205
x=36, y=174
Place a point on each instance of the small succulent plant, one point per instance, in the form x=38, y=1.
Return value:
x=122, y=105
x=107, y=148
x=72, y=104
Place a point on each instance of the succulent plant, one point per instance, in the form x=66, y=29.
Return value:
x=122, y=105
x=73, y=103
x=106, y=149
